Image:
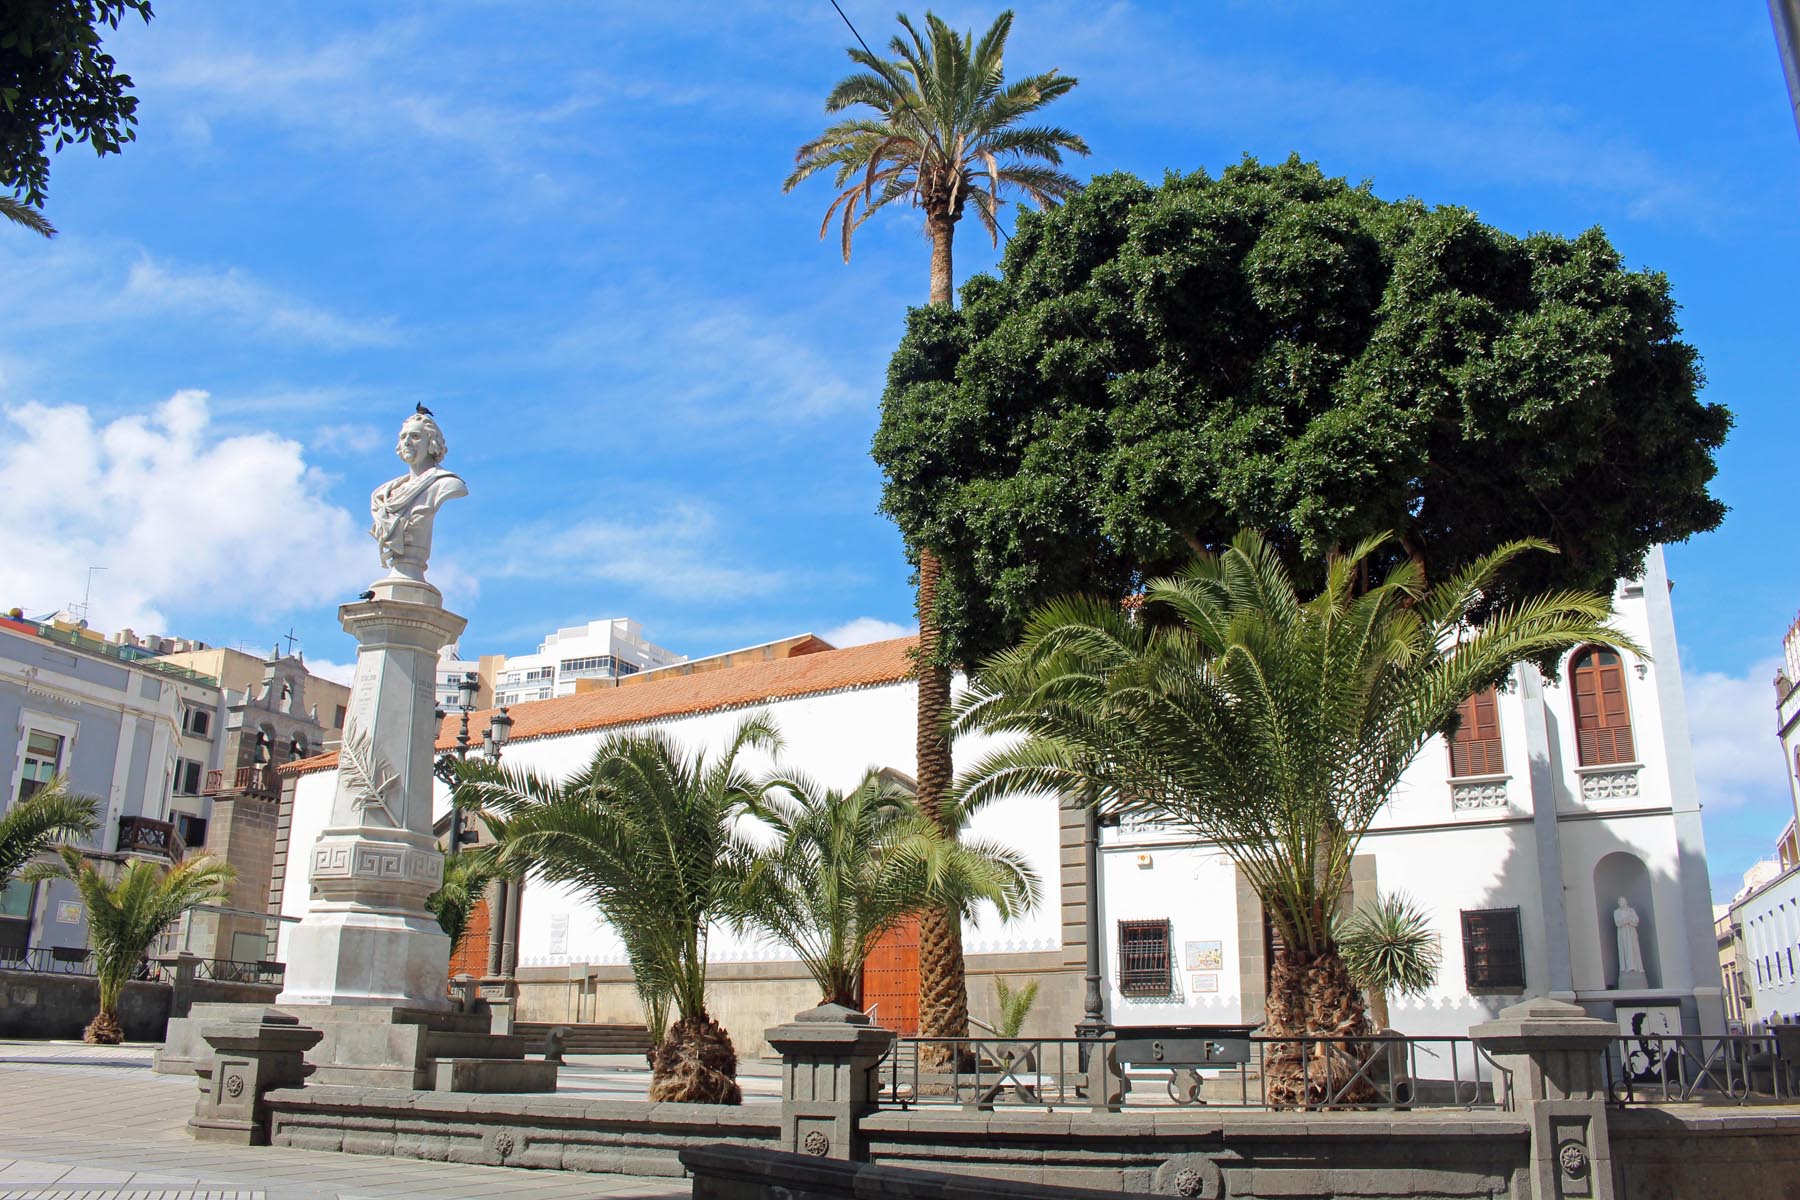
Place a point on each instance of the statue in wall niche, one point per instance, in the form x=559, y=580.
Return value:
x=1631, y=952
x=404, y=508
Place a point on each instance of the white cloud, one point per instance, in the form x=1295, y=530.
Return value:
x=186, y=523
x=1737, y=758
x=238, y=297
x=677, y=553
x=337, y=672
x=858, y=630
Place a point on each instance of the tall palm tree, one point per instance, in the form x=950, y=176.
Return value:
x=847, y=868
x=125, y=915
x=645, y=831
x=1388, y=946
x=33, y=825
x=945, y=133
x=1273, y=726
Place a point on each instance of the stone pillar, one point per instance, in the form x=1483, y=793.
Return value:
x=366, y=938
x=1555, y=1055
x=828, y=1079
x=249, y=1058
x=181, y=968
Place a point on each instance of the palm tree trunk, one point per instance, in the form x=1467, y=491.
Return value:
x=943, y=990
x=695, y=1064
x=1311, y=994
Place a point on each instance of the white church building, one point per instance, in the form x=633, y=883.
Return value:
x=1557, y=800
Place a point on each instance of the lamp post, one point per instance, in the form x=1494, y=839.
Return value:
x=468, y=689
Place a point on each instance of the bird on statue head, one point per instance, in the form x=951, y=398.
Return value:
x=421, y=409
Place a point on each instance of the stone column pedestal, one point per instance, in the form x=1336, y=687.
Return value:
x=1555, y=1055
x=828, y=1060
x=249, y=1058
x=366, y=938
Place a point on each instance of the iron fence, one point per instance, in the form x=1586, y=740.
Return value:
x=1700, y=1069
x=1302, y=1073
x=78, y=960
x=229, y=970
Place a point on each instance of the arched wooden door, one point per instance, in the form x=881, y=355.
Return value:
x=891, y=979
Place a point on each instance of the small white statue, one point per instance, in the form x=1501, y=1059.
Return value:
x=1631, y=954
x=403, y=508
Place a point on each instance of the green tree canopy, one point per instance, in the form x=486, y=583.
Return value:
x=1155, y=368
x=59, y=86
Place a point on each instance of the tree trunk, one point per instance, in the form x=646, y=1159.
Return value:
x=1312, y=995
x=943, y=282
x=1378, y=1009
x=943, y=992
x=104, y=1030
x=695, y=1064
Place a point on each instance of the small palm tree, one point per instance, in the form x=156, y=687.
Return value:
x=644, y=830
x=126, y=914
x=847, y=868
x=53, y=814
x=1273, y=726
x=466, y=879
x=945, y=132
x=1015, y=1005
x=1389, y=947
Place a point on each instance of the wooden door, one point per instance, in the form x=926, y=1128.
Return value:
x=891, y=979
x=471, y=958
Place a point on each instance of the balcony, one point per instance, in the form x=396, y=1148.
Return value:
x=255, y=780
x=141, y=835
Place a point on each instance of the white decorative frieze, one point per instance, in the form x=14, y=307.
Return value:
x=1468, y=797
x=1610, y=785
x=377, y=863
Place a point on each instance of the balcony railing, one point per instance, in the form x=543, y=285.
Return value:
x=78, y=960
x=257, y=780
x=141, y=835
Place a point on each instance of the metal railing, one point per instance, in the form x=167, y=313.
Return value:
x=258, y=779
x=983, y=1073
x=78, y=960
x=1743, y=1068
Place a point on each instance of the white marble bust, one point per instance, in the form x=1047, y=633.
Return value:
x=404, y=508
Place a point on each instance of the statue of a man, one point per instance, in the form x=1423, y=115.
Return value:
x=403, y=508
x=1631, y=953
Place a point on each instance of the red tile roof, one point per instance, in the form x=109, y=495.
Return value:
x=682, y=696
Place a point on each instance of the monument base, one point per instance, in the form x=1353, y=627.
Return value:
x=356, y=957
x=1631, y=981
x=380, y=1046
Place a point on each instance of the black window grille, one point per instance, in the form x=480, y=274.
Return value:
x=1144, y=959
x=1493, y=949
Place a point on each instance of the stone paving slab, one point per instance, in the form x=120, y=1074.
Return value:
x=91, y=1122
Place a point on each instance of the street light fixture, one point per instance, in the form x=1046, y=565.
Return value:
x=499, y=732
x=469, y=688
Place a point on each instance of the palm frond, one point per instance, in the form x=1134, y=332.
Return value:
x=53, y=814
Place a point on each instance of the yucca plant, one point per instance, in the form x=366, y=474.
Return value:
x=645, y=832
x=1272, y=725
x=125, y=915
x=53, y=814
x=845, y=868
x=1389, y=947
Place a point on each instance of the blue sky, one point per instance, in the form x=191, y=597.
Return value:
x=560, y=226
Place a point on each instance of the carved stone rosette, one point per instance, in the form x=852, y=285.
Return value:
x=1610, y=785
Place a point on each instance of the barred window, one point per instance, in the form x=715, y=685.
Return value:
x=1144, y=958
x=1602, y=716
x=1493, y=949
x=1475, y=739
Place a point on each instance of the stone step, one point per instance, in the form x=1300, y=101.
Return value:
x=452, y=1074
x=441, y=1044
x=592, y=1038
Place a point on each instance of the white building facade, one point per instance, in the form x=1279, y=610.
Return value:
x=1519, y=848
x=605, y=649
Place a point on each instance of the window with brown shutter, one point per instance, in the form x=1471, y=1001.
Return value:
x=1475, y=742
x=1602, y=716
x=1493, y=950
x=1144, y=958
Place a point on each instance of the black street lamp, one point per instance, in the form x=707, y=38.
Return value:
x=468, y=689
x=499, y=732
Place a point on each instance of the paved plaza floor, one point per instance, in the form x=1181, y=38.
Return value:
x=95, y=1122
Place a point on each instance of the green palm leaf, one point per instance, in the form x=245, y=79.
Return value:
x=35, y=824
